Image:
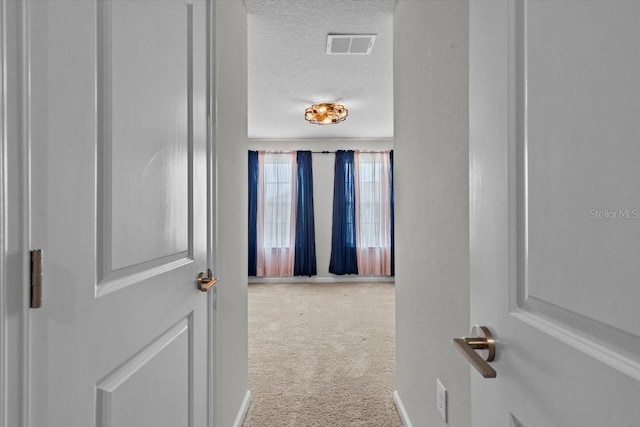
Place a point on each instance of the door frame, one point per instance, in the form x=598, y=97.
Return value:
x=212, y=206
x=15, y=212
x=14, y=219
x=3, y=199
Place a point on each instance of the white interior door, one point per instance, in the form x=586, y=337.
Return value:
x=555, y=211
x=118, y=138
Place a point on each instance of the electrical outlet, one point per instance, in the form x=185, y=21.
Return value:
x=441, y=402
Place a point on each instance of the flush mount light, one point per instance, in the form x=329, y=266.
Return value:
x=326, y=114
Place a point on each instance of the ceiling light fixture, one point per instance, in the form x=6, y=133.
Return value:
x=326, y=114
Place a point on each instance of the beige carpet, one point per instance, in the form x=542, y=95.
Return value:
x=322, y=355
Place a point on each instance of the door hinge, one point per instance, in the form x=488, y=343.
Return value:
x=36, y=278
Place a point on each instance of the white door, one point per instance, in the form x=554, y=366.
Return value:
x=118, y=137
x=555, y=211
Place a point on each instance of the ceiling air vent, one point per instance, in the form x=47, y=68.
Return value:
x=350, y=44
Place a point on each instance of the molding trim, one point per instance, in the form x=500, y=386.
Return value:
x=3, y=224
x=335, y=279
x=244, y=408
x=212, y=206
x=319, y=144
x=14, y=213
x=404, y=416
x=323, y=140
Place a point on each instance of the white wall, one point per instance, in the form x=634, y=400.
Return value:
x=323, y=171
x=432, y=197
x=231, y=149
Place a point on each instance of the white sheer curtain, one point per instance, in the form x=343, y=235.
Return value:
x=276, y=213
x=373, y=213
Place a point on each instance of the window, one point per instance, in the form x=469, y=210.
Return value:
x=276, y=214
x=370, y=176
x=362, y=214
x=373, y=213
x=278, y=200
x=281, y=219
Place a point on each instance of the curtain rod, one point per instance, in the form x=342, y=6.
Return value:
x=361, y=151
x=324, y=151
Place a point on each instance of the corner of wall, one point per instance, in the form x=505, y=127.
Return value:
x=431, y=79
x=231, y=182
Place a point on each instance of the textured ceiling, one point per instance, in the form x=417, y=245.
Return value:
x=289, y=68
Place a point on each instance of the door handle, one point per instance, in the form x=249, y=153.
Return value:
x=482, y=341
x=206, y=283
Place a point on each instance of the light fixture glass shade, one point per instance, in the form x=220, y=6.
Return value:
x=326, y=114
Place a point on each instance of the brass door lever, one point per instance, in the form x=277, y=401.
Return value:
x=481, y=340
x=206, y=283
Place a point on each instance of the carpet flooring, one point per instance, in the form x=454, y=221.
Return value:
x=322, y=355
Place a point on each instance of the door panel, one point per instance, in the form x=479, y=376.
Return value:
x=582, y=177
x=118, y=141
x=555, y=226
x=147, y=374
x=145, y=125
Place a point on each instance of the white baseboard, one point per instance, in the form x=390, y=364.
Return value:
x=244, y=408
x=335, y=279
x=401, y=410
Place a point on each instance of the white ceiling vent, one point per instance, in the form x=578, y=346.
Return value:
x=350, y=44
